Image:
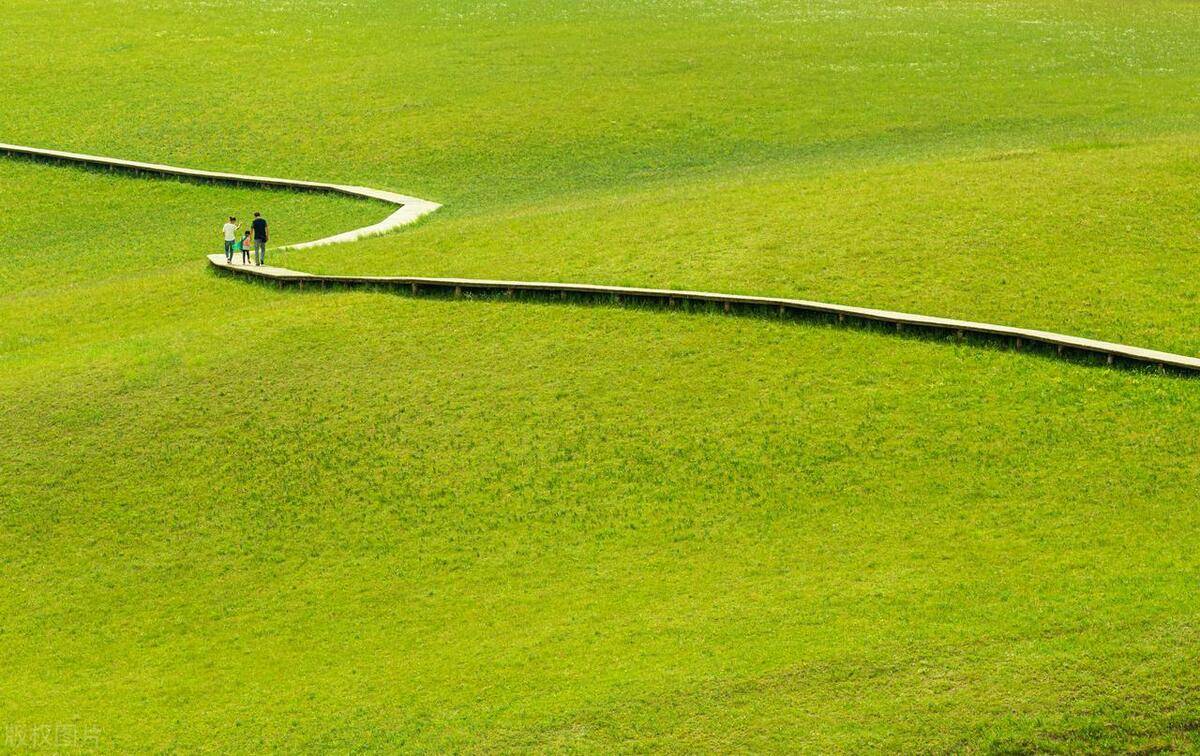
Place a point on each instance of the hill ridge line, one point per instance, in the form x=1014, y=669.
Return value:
x=409, y=209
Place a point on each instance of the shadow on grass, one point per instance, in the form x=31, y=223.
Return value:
x=447, y=289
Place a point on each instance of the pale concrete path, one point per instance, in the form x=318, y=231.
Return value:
x=412, y=208
x=409, y=208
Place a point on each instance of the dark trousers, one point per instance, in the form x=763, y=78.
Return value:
x=228, y=251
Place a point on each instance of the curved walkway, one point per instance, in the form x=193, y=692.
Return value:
x=409, y=209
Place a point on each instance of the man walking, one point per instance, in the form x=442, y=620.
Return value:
x=259, y=225
x=230, y=230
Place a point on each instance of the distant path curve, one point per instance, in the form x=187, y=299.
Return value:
x=409, y=209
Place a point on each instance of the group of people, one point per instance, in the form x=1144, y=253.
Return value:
x=256, y=235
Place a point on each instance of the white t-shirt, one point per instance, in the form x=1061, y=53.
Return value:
x=229, y=230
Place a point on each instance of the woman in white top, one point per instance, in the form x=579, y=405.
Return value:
x=230, y=231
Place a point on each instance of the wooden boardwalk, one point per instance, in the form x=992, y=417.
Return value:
x=410, y=209
x=1020, y=338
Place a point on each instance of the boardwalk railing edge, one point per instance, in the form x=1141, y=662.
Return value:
x=1061, y=344
x=409, y=209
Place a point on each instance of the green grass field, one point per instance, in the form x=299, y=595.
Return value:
x=234, y=518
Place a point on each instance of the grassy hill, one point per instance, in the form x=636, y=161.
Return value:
x=236, y=518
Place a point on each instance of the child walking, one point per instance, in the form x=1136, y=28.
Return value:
x=243, y=246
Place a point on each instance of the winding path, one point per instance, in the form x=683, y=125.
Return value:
x=409, y=209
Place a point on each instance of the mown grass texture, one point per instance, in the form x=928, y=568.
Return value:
x=237, y=518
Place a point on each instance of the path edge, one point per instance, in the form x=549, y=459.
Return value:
x=409, y=209
x=1057, y=344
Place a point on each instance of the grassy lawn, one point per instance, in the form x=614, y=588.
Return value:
x=234, y=518
x=1093, y=240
